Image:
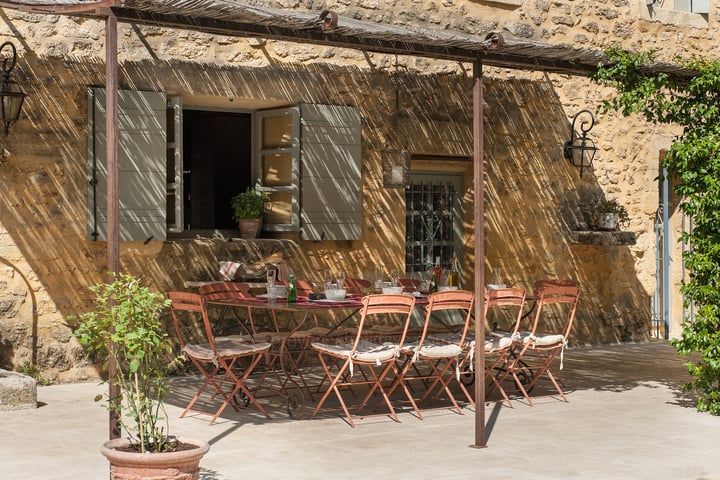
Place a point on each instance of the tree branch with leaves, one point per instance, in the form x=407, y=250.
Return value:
x=694, y=157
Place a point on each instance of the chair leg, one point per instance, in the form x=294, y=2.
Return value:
x=545, y=359
x=239, y=385
x=376, y=385
x=444, y=380
x=333, y=387
x=210, y=379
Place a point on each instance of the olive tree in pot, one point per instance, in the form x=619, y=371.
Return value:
x=248, y=209
x=126, y=326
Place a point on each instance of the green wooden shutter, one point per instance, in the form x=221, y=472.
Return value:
x=142, y=164
x=330, y=155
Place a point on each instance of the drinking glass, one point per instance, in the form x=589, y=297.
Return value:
x=378, y=277
x=340, y=279
x=270, y=278
x=328, y=278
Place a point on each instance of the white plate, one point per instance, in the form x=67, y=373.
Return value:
x=327, y=300
x=264, y=295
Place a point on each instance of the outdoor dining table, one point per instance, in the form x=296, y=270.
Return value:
x=283, y=366
x=289, y=386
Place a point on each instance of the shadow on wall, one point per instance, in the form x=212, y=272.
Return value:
x=44, y=199
x=530, y=187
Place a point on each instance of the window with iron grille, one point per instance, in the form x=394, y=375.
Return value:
x=429, y=221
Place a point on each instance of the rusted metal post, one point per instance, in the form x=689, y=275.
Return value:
x=479, y=225
x=113, y=195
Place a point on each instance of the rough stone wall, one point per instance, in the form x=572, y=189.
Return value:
x=417, y=104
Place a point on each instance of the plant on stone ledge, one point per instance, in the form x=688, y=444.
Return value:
x=692, y=103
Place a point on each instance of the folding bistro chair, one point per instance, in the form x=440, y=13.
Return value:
x=374, y=361
x=215, y=358
x=430, y=359
x=219, y=292
x=535, y=350
x=499, y=344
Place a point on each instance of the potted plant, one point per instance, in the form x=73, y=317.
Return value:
x=609, y=215
x=125, y=326
x=248, y=208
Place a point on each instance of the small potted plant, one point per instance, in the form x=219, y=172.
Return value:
x=610, y=215
x=248, y=208
x=125, y=326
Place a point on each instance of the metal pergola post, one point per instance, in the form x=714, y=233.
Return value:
x=479, y=233
x=113, y=195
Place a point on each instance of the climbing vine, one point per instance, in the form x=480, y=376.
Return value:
x=692, y=103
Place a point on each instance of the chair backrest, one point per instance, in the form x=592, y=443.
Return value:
x=458, y=300
x=566, y=296
x=506, y=297
x=408, y=282
x=382, y=304
x=224, y=290
x=304, y=287
x=194, y=304
x=356, y=286
x=552, y=282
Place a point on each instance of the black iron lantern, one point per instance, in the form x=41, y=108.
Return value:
x=11, y=95
x=581, y=149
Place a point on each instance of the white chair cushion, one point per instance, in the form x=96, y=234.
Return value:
x=367, y=352
x=549, y=339
x=225, y=347
x=434, y=350
x=494, y=343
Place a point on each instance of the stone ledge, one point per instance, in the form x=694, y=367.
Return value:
x=17, y=391
x=590, y=237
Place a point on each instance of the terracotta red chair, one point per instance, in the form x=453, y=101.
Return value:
x=433, y=361
x=538, y=348
x=217, y=359
x=363, y=362
x=498, y=345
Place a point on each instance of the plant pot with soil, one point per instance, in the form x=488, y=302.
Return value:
x=609, y=215
x=125, y=328
x=248, y=209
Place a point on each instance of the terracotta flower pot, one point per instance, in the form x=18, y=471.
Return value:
x=180, y=465
x=249, y=228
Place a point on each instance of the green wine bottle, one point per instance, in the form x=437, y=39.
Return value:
x=292, y=290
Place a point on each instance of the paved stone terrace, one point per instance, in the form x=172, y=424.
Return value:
x=627, y=419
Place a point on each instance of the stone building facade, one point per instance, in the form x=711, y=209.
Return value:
x=535, y=199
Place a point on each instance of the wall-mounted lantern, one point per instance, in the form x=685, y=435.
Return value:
x=581, y=149
x=11, y=95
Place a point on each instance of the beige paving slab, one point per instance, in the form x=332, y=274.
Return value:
x=627, y=419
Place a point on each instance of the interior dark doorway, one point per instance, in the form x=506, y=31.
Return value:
x=217, y=164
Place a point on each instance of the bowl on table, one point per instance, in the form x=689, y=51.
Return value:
x=335, y=294
x=446, y=288
x=277, y=291
x=392, y=290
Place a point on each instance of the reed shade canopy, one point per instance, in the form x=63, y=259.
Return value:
x=238, y=19
x=11, y=95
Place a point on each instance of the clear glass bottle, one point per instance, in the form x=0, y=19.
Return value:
x=454, y=275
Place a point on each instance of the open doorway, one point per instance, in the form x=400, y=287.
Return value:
x=217, y=164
